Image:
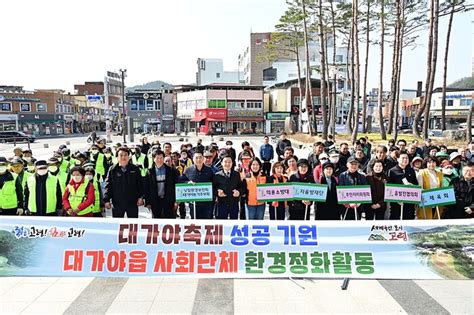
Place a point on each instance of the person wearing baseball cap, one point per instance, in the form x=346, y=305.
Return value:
x=17, y=166
x=43, y=192
x=352, y=177
x=300, y=210
x=54, y=168
x=11, y=191
x=455, y=159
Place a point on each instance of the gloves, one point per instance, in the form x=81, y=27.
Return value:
x=19, y=211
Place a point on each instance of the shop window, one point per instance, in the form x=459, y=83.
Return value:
x=296, y=100
x=157, y=104
x=41, y=107
x=466, y=102
x=25, y=107
x=6, y=107
x=217, y=103
x=149, y=105
x=449, y=102
x=141, y=104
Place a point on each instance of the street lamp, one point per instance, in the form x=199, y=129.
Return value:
x=123, y=74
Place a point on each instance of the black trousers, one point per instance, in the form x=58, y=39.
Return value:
x=280, y=211
x=266, y=167
x=408, y=211
x=120, y=211
x=163, y=210
x=377, y=213
x=8, y=211
x=298, y=210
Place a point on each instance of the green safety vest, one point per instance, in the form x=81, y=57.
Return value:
x=64, y=166
x=62, y=178
x=140, y=161
x=51, y=186
x=77, y=197
x=99, y=165
x=8, y=199
x=97, y=197
x=26, y=175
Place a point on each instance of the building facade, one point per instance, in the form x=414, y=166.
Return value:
x=220, y=109
x=458, y=103
x=211, y=71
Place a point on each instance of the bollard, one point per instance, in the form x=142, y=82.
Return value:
x=68, y=142
x=45, y=145
x=221, y=139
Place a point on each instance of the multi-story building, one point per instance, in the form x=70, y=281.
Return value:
x=212, y=71
x=458, y=103
x=39, y=112
x=147, y=109
x=220, y=108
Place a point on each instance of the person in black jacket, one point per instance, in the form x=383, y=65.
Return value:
x=402, y=174
x=281, y=145
x=464, y=191
x=228, y=188
x=297, y=207
x=199, y=173
x=352, y=177
x=330, y=209
x=376, y=179
x=160, y=193
x=124, y=187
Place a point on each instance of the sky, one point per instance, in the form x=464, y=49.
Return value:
x=57, y=43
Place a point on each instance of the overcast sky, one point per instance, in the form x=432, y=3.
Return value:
x=57, y=43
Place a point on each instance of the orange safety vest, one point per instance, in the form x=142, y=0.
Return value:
x=252, y=189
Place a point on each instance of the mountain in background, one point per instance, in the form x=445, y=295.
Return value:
x=463, y=83
x=151, y=85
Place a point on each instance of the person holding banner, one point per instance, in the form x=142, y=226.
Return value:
x=298, y=208
x=227, y=187
x=352, y=177
x=291, y=166
x=254, y=210
x=42, y=192
x=160, y=194
x=79, y=195
x=329, y=210
x=376, y=179
x=124, y=187
x=464, y=191
x=402, y=174
x=429, y=178
x=277, y=208
x=199, y=173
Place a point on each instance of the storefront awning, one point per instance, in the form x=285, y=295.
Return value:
x=198, y=119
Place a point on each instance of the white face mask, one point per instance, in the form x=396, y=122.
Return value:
x=334, y=160
x=60, y=159
x=447, y=171
x=31, y=168
x=53, y=168
x=3, y=169
x=27, y=159
x=42, y=172
x=107, y=155
x=78, y=162
x=89, y=177
x=77, y=178
x=94, y=152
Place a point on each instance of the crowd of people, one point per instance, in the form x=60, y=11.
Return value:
x=123, y=178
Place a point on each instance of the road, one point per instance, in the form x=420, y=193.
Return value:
x=223, y=296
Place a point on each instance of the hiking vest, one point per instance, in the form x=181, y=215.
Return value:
x=76, y=197
x=252, y=189
x=51, y=186
x=8, y=199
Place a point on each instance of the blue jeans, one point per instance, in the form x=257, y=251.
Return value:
x=255, y=212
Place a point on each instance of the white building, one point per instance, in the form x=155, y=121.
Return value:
x=458, y=103
x=210, y=71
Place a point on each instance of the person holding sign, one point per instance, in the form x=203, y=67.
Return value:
x=277, y=208
x=464, y=191
x=160, y=194
x=376, y=179
x=352, y=177
x=199, y=173
x=227, y=187
x=298, y=208
x=429, y=178
x=402, y=174
x=329, y=210
x=254, y=210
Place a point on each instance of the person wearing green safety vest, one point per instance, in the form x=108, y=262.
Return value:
x=99, y=161
x=98, y=210
x=54, y=169
x=11, y=193
x=141, y=161
x=79, y=197
x=30, y=166
x=17, y=167
x=67, y=157
x=43, y=192
x=63, y=164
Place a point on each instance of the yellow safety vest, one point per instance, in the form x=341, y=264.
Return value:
x=77, y=197
x=8, y=199
x=51, y=186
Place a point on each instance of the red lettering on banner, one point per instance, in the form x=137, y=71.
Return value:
x=192, y=233
x=162, y=263
x=206, y=259
x=152, y=234
x=228, y=261
x=137, y=261
x=98, y=259
x=131, y=238
x=116, y=261
x=77, y=260
x=214, y=234
x=170, y=234
x=184, y=261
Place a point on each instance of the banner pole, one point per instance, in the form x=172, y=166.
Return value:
x=276, y=212
x=355, y=213
x=437, y=211
x=401, y=212
x=345, y=283
x=424, y=213
x=194, y=210
x=306, y=212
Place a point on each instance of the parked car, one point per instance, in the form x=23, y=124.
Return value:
x=12, y=136
x=435, y=133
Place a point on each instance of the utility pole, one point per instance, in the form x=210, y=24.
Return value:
x=123, y=73
x=107, y=110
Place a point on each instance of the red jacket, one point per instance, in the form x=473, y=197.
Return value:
x=90, y=199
